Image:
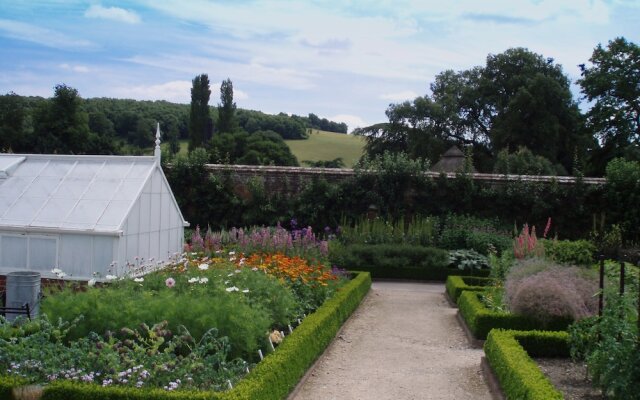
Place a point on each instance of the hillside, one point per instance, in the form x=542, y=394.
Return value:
x=322, y=145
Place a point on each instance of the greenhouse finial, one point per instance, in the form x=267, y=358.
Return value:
x=157, y=152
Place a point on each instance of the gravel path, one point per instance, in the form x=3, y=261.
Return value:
x=403, y=342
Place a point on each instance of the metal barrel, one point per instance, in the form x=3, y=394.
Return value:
x=23, y=287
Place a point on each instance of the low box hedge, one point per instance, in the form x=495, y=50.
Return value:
x=456, y=284
x=272, y=379
x=480, y=320
x=509, y=353
x=397, y=261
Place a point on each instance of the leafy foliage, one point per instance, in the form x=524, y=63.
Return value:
x=467, y=260
x=200, y=122
x=612, y=82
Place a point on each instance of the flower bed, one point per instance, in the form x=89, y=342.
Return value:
x=272, y=378
x=509, y=353
x=212, y=314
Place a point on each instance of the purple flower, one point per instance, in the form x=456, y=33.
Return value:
x=170, y=282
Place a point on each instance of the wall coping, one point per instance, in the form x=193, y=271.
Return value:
x=345, y=172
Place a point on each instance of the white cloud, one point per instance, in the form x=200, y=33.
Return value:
x=75, y=68
x=177, y=91
x=399, y=96
x=36, y=34
x=353, y=121
x=112, y=13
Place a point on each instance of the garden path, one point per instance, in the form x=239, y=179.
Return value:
x=402, y=343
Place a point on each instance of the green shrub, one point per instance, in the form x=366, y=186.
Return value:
x=610, y=347
x=520, y=378
x=467, y=260
x=455, y=285
x=480, y=320
x=396, y=261
x=577, y=252
x=544, y=290
x=481, y=235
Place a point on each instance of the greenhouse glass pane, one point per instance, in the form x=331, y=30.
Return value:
x=128, y=190
x=86, y=212
x=55, y=210
x=140, y=170
x=42, y=187
x=114, y=171
x=42, y=253
x=13, y=252
x=13, y=187
x=101, y=189
x=72, y=188
x=30, y=168
x=115, y=213
x=23, y=211
x=85, y=169
x=57, y=168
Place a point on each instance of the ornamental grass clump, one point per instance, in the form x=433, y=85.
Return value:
x=547, y=291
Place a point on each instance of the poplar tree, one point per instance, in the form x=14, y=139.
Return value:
x=200, y=126
x=226, y=108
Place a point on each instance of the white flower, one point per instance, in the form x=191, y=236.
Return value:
x=204, y=280
x=241, y=261
x=56, y=271
x=232, y=258
x=232, y=289
x=232, y=253
x=245, y=291
x=226, y=282
x=193, y=280
x=254, y=268
x=203, y=267
x=110, y=277
x=141, y=279
x=230, y=275
x=237, y=271
x=92, y=282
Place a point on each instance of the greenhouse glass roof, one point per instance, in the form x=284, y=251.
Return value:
x=77, y=193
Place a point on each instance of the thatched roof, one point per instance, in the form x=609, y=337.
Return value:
x=452, y=161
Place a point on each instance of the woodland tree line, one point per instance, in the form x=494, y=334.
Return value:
x=514, y=114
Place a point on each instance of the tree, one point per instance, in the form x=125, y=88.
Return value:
x=12, y=117
x=612, y=82
x=226, y=108
x=518, y=98
x=60, y=125
x=200, y=125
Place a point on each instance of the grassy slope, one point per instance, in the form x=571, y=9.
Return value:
x=323, y=145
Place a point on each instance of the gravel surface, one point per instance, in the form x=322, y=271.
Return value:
x=403, y=342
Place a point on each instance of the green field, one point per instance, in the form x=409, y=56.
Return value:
x=328, y=146
x=321, y=145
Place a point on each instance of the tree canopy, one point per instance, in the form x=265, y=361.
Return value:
x=518, y=98
x=612, y=83
x=226, y=108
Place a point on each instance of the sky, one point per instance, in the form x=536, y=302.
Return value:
x=343, y=60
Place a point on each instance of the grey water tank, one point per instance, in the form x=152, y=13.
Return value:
x=23, y=287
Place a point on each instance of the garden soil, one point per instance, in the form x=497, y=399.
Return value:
x=403, y=342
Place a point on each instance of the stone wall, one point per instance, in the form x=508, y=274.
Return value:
x=290, y=180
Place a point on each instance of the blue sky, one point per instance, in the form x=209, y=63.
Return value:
x=343, y=60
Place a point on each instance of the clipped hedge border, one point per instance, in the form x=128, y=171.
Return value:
x=272, y=379
x=480, y=320
x=417, y=274
x=455, y=284
x=509, y=352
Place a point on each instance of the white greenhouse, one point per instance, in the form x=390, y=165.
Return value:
x=86, y=215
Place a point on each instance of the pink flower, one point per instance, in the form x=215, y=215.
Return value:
x=170, y=282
